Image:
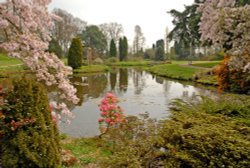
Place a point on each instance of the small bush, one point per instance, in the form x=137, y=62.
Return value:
x=30, y=137
x=111, y=60
x=232, y=79
x=131, y=143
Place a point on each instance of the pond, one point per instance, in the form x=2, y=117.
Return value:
x=137, y=90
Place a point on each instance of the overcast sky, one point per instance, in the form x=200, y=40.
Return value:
x=151, y=15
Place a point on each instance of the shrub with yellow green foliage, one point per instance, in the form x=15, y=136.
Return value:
x=30, y=137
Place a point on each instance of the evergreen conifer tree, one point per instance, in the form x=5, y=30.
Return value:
x=123, y=48
x=159, y=53
x=75, y=55
x=112, y=51
x=120, y=49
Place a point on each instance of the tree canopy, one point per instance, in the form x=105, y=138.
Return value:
x=93, y=37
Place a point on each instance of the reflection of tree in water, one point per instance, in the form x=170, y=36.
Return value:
x=166, y=87
x=123, y=79
x=159, y=80
x=113, y=76
x=139, y=81
x=96, y=85
x=78, y=84
x=186, y=94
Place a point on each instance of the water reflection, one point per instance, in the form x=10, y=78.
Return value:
x=123, y=79
x=137, y=90
x=113, y=78
x=139, y=81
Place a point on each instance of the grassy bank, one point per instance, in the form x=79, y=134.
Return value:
x=182, y=71
x=8, y=61
x=130, y=63
x=206, y=64
x=92, y=69
x=174, y=71
x=9, y=66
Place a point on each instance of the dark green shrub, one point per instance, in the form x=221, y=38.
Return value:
x=75, y=55
x=207, y=133
x=234, y=106
x=30, y=137
x=203, y=140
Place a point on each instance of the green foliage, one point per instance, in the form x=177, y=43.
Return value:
x=75, y=55
x=234, y=106
x=30, y=137
x=242, y=2
x=95, y=39
x=186, y=28
x=131, y=144
x=181, y=50
x=160, y=53
x=149, y=54
x=203, y=140
x=111, y=61
x=207, y=133
x=112, y=51
x=123, y=48
x=55, y=48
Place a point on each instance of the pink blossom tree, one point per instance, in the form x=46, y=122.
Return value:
x=226, y=25
x=26, y=25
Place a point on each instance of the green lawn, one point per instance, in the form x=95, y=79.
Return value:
x=6, y=61
x=181, y=70
x=92, y=69
x=130, y=63
x=9, y=65
x=206, y=64
x=174, y=71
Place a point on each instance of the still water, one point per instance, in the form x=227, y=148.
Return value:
x=137, y=90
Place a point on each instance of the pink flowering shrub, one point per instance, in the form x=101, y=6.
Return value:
x=111, y=113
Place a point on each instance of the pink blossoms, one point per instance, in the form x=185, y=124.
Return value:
x=111, y=113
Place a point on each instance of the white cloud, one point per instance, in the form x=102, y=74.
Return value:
x=151, y=15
